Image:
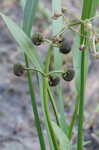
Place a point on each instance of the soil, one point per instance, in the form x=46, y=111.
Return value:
x=17, y=127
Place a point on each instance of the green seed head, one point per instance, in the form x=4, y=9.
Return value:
x=53, y=80
x=68, y=75
x=65, y=47
x=18, y=70
x=37, y=39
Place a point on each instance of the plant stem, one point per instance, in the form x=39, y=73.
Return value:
x=45, y=101
x=46, y=111
x=36, y=70
x=34, y=107
x=53, y=105
x=89, y=9
x=74, y=117
x=54, y=72
x=27, y=26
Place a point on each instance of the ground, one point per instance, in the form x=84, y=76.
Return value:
x=17, y=127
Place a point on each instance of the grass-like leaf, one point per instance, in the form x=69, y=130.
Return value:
x=76, y=63
x=57, y=26
x=29, y=14
x=89, y=9
x=61, y=137
x=23, y=40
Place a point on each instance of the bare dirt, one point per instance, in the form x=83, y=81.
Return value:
x=17, y=127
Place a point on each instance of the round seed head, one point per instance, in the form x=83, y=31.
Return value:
x=53, y=80
x=37, y=39
x=18, y=70
x=68, y=75
x=65, y=47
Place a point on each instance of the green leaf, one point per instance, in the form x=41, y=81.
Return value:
x=31, y=6
x=88, y=11
x=57, y=26
x=85, y=143
x=61, y=137
x=77, y=61
x=22, y=39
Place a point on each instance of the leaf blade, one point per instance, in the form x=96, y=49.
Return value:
x=23, y=41
x=62, y=138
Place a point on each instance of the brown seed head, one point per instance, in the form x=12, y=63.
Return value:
x=37, y=39
x=65, y=47
x=53, y=80
x=68, y=75
x=18, y=70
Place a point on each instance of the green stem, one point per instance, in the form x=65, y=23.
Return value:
x=81, y=104
x=34, y=107
x=29, y=13
x=37, y=70
x=54, y=72
x=53, y=105
x=45, y=101
x=89, y=9
x=83, y=75
x=74, y=117
x=46, y=111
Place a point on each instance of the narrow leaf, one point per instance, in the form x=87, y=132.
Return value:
x=31, y=6
x=57, y=26
x=23, y=41
x=77, y=61
x=61, y=137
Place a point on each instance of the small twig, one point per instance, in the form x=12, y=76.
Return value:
x=44, y=74
x=51, y=42
x=34, y=69
x=56, y=71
